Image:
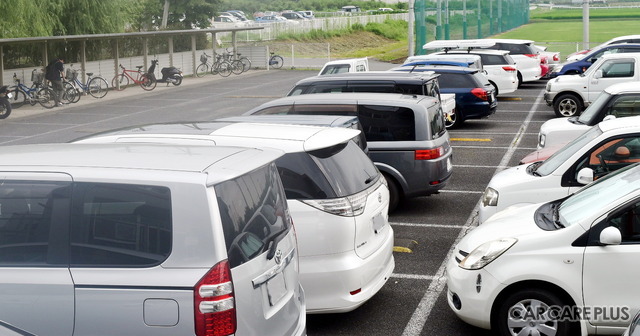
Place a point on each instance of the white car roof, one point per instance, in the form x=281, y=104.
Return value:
x=288, y=138
x=625, y=87
x=458, y=44
x=626, y=124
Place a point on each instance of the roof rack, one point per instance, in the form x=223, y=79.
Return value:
x=447, y=45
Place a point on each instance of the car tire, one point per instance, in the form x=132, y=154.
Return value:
x=453, y=120
x=495, y=88
x=530, y=309
x=394, y=192
x=519, y=79
x=567, y=105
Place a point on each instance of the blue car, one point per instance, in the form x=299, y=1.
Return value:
x=475, y=96
x=578, y=67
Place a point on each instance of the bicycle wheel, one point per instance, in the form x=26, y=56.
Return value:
x=121, y=80
x=18, y=99
x=45, y=98
x=5, y=108
x=276, y=61
x=237, y=67
x=202, y=69
x=98, y=87
x=147, y=82
x=70, y=95
x=246, y=63
x=224, y=69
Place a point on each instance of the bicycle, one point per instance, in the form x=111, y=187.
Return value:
x=246, y=62
x=36, y=94
x=237, y=67
x=122, y=80
x=96, y=86
x=219, y=67
x=276, y=61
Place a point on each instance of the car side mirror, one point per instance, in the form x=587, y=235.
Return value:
x=598, y=74
x=610, y=236
x=608, y=117
x=585, y=176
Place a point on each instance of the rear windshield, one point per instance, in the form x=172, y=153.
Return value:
x=254, y=212
x=515, y=48
x=457, y=81
x=496, y=60
x=338, y=171
x=334, y=69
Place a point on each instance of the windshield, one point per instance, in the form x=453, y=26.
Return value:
x=587, y=117
x=564, y=153
x=590, y=200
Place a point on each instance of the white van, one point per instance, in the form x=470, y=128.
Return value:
x=570, y=94
x=125, y=239
x=345, y=65
x=339, y=202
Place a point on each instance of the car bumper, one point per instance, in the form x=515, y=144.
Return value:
x=549, y=96
x=330, y=280
x=467, y=302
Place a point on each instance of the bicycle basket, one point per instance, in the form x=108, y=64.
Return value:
x=71, y=74
x=37, y=77
x=203, y=58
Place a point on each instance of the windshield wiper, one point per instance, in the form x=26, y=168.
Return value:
x=273, y=243
x=533, y=168
x=556, y=216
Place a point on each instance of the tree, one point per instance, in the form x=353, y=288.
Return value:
x=182, y=14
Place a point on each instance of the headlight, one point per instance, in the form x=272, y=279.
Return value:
x=490, y=197
x=486, y=253
x=542, y=138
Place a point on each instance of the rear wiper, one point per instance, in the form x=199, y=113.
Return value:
x=273, y=243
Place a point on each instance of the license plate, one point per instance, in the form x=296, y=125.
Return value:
x=449, y=165
x=378, y=221
x=276, y=289
x=9, y=95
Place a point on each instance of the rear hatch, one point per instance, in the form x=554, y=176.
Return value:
x=262, y=254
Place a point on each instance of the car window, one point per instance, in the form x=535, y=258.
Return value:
x=611, y=155
x=279, y=109
x=591, y=115
x=437, y=124
x=335, y=69
x=328, y=87
x=628, y=222
x=456, y=81
x=26, y=222
x=120, y=225
x=387, y=123
x=563, y=154
x=253, y=210
x=493, y=59
x=617, y=68
x=625, y=106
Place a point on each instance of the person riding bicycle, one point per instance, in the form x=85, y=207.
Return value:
x=55, y=74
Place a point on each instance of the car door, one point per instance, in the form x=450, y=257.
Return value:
x=610, y=72
x=36, y=289
x=609, y=273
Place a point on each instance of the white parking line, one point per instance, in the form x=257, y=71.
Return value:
x=503, y=121
x=476, y=166
x=460, y=191
x=422, y=312
x=456, y=133
x=438, y=226
x=494, y=147
x=412, y=276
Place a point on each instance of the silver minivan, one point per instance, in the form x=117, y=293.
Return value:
x=406, y=135
x=123, y=239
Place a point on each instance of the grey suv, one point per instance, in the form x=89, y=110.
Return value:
x=123, y=239
x=406, y=135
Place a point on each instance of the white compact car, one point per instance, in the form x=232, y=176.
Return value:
x=339, y=201
x=525, y=54
x=616, y=101
x=608, y=146
x=565, y=267
x=498, y=65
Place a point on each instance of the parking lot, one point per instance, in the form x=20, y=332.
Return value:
x=413, y=302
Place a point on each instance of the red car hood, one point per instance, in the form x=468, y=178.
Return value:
x=540, y=154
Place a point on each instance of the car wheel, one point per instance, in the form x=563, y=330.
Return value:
x=519, y=79
x=495, y=88
x=394, y=192
x=567, y=105
x=452, y=119
x=533, y=312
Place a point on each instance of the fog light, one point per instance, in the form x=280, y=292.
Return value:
x=457, y=304
x=478, y=283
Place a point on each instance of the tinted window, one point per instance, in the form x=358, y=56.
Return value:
x=625, y=106
x=617, y=68
x=436, y=124
x=456, y=80
x=387, y=123
x=514, y=48
x=120, y=225
x=334, y=69
x=254, y=211
x=26, y=213
x=302, y=178
x=328, y=87
x=493, y=60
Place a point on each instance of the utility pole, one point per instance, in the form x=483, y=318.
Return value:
x=411, y=24
x=585, y=24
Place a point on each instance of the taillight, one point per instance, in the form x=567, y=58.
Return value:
x=509, y=69
x=214, y=304
x=556, y=57
x=531, y=55
x=348, y=206
x=480, y=93
x=429, y=154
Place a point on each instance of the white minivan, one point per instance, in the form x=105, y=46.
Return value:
x=339, y=201
x=606, y=147
x=146, y=239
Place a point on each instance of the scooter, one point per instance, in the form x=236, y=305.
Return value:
x=171, y=75
x=5, y=104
